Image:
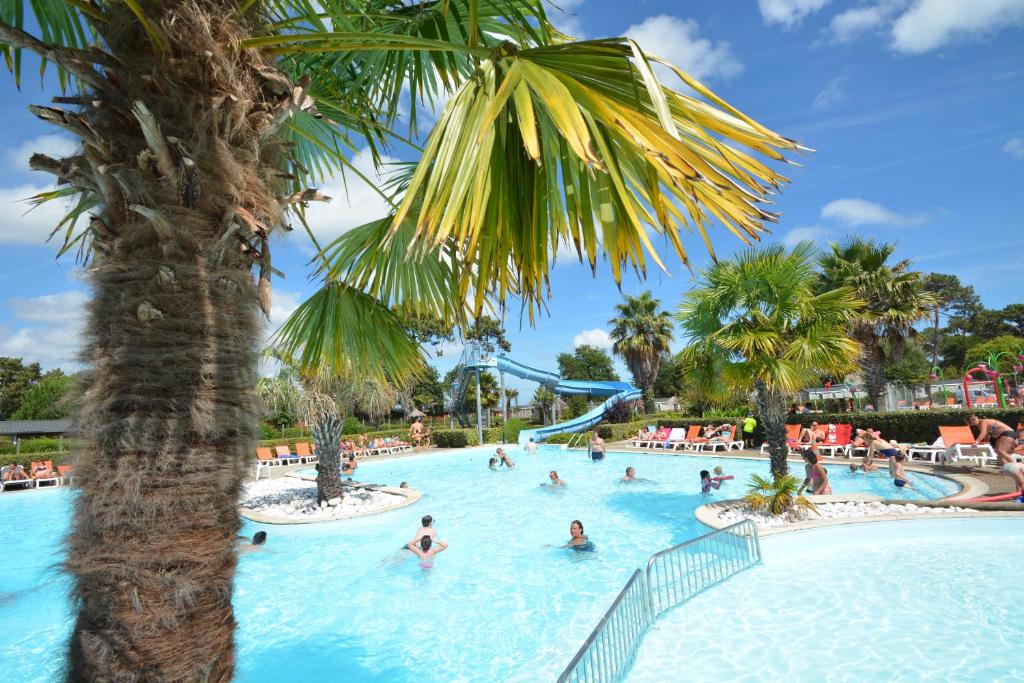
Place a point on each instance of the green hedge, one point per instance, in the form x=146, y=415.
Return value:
x=911, y=426
x=43, y=444
x=451, y=438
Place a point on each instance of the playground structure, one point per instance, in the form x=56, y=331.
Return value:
x=975, y=392
x=476, y=359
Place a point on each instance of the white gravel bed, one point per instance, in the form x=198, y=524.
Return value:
x=292, y=498
x=848, y=510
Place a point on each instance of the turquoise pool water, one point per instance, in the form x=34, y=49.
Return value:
x=338, y=601
x=895, y=601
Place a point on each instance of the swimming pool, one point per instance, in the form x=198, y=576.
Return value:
x=325, y=601
x=894, y=601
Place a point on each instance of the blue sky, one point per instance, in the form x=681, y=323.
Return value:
x=914, y=108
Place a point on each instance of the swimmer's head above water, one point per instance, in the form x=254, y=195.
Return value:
x=259, y=538
x=425, y=543
x=576, y=528
x=427, y=520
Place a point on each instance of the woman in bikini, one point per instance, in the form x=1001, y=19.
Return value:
x=1004, y=441
x=817, y=476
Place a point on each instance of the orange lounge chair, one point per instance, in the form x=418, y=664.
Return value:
x=959, y=444
x=265, y=457
x=792, y=437
x=67, y=474
x=837, y=440
x=693, y=438
x=285, y=455
x=304, y=452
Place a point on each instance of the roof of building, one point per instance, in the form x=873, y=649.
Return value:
x=26, y=427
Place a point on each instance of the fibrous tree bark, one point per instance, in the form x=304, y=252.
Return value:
x=327, y=437
x=771, y=407
x=180, y=178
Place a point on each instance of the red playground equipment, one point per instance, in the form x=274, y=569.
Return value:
x=988, y=391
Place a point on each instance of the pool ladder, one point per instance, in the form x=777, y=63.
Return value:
x=576, y=439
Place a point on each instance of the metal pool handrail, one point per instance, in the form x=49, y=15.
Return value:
x=678, y=573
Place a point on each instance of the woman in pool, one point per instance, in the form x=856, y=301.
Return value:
x=579, y=541
x=817, y=476
x=596, y=447
x=426, y=549
x=555, y=481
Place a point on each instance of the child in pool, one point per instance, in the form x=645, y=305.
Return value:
x=493, y=464
x=899, y=476
x=707, y=482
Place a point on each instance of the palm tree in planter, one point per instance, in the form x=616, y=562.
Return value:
x=641, y=335
x=895, y=299
x=205, y=127
x=760, y=310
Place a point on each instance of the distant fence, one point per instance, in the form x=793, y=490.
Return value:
x=673, y=576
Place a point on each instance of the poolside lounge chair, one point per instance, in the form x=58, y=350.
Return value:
x=792, y=437
x=837, y=440
x=728, y=444
x=676, y=438
x=693, y=439
x=39, y=481
x=17, y=483
x=266, y=458
x=959, y=443
x=657, y=439
x=304, y=452
x=67, y=474
x=285, y=455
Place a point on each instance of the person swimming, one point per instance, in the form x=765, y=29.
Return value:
x=258, y=539
x=579, y=541
x=555, y=481
x=426, y=549
x=493, y=464
x=630, y=475
x=707, y=482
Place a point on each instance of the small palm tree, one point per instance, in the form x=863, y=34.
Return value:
x=511, y=399
x=760, y=314
x=543, y=399
x=894, y=296
x=641, y=334
x=781, y=494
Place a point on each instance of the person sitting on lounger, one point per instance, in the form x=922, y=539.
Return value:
x=426, y=549
x=13, y=472
x=811, y=436
x=718, y=434
x=41, y=471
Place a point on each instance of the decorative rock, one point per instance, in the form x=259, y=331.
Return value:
x=333, y=502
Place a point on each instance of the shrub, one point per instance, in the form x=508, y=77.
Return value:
x=451, y=438
x=352, y=425
x=25, y=459
x=296, y=433
x=267, y=431
x=510, y=430
x=777, y=496
x=560, y=438
x=42, y=444
x=618, y=413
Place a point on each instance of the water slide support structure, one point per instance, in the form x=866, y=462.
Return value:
x=476, y=359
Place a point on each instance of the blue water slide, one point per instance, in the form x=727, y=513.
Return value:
x=613, y=391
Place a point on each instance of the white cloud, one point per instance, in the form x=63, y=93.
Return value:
x=676, y=41
x=47, y=329
x=853, y=23
x=788, y=13
x=1015, y=148
x=282, y=304
x=353, y=202
x=565, y=16
x=18, y=224
x=931, y=24
x=56, y=146
x=831, y=94
x=856, y=212
x=595, y=337
x=811, y=233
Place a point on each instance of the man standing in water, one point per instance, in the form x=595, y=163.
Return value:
x=596, y=447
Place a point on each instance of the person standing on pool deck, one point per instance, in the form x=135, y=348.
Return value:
x=579, y=541
x=596, y=446
x=426, y=549
x=1004, y=442
x=749, y=425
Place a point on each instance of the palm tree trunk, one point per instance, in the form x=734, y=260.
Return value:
x=772, y=409
x=185, y=196
x=648, y=395
x=874, y=374
x=327, y=437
